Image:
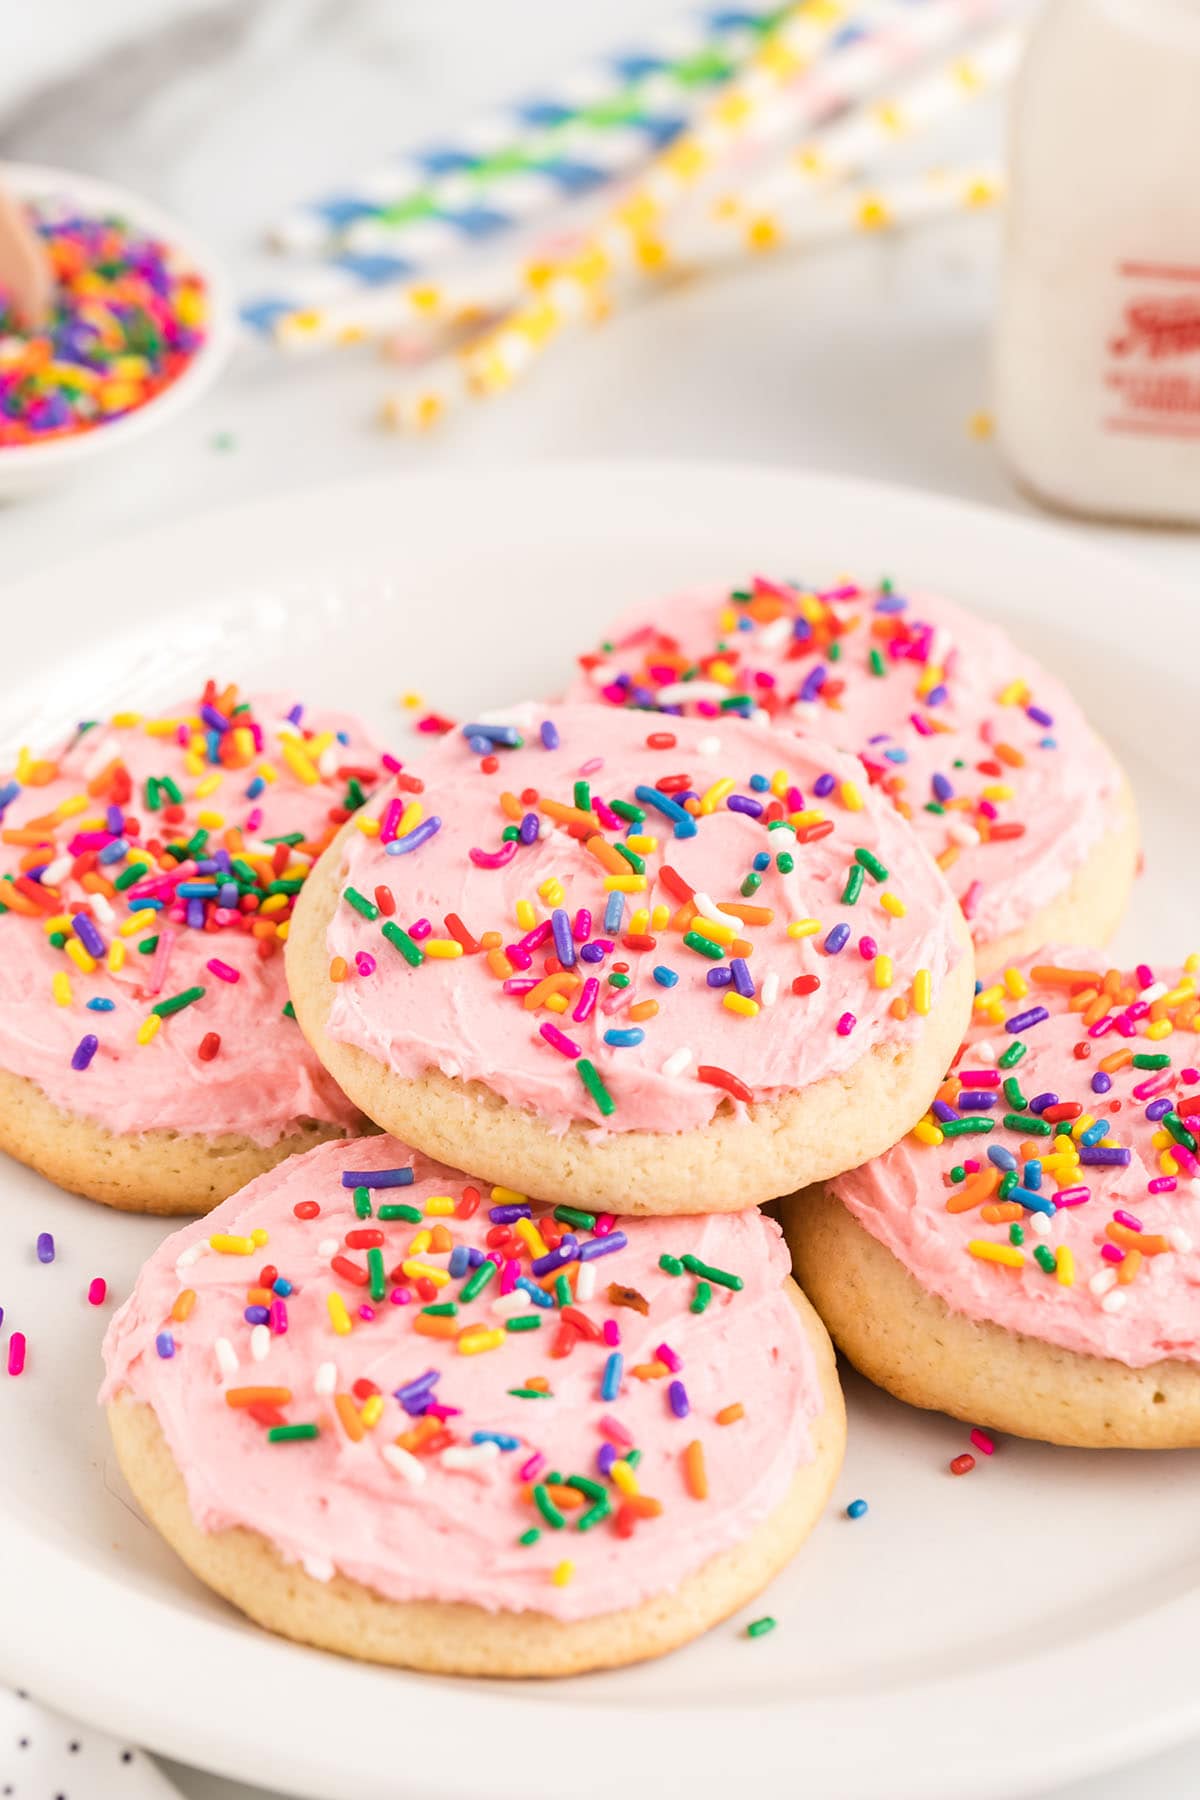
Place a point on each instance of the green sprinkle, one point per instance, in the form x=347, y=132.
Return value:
x=1007, y=1184
x=571, y=1215
x=172, y=790
x=442, y=1309
x=530, y=1394
x=867, y=859
x=785, y=862
x=195, y=844
x=705, y=946
x=618, y=981
x=958, y=1173
x=354, y=796
x=971, y=1123
x=289, y=1011
x=410, y=951
x=523, y=1322
x=759, y=1627
x=1045, y=1258
x=670, y=1265
x=56, y=938
x=546, y=1506
x=932, y=806
x=1016, y=1234
x=595, y=1514
x=1179, y=1131
x=701, y=1297
x=1014, y=1096
x=583, y=796
x=750, y=886
x=292, y=1434
x=153, y=797
x=722, y=1277
x=834, y=652
x=586, y=1486
x=1026, y=1122
x=283, y=887
x=876, y=663
x=637, y=863
x=290, y=838
x=1012, y=1055
x=1145, y=1060
x=397, y=1210
x=605, y=1104
x=509, y=835
x=633, y=1458
x=177, y=1002
x=360, y=903
x=854, y=881
x=529, y=1537
x=625, y=809
x=144, y=946
x=362, y=1203
x=243, y=871
x=562, y=1291
x=477, y=1280
x=127, y=877
x=378, y=1285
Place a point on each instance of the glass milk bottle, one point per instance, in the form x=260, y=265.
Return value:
x=1097, y=356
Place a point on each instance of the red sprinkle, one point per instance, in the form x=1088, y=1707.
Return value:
x=307, y=1209
x=661, y=740
x=209, y=1044
x=962, y=1465
x=721, y=1078
x=806, y=984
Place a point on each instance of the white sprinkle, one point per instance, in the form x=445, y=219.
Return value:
x=327, y=1247
x=759, y=716
x=707, y=905
x=472, y=1459
x=103, y=908
x=585, y=1281
x=709, y=746
x=678, y=1061
x=984, y=1052
x=1155, y=991
x=192, y=1254
x=325, y=1379
x=940, y=646
x=1040, y=1222
x=1179, y=1239
x=226, y=1355
x=1113, y=1302
x=1102, y=1281
x=505, y=1305
x=260, y=1343
x=777, y=633
x=959, y=832
x=100, y=758
x=769, y=993
x=404, y=1463
x=677, y=691
x=58, y=870
x=329, y=759
x=319, y=1567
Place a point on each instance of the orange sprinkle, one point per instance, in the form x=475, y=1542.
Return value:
x=257, y=1396
x=694, y=1471
x=605, y=855
x=1120, y=1059
x=644, y=1505
x=729, y=1415
x=899, y=1007
x=430, y=1325
x=1007, y=754
x=499, y=964
x=645, y=1009
x=184, y=1303
x=1127, y=1271
x=569, y=1499
x=563, y=983
x=347, y=1412
x=749, y=915
x=440, y=1240
x=1050, y=975
x=1148, y=1243
x=651, y=1371
x=974, y=1191
x=1001, y=1212
x=339, y=968
x=572, y=815
x=512, y=807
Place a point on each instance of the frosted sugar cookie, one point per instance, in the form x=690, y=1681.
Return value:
x=1029, y=1257
x=148, y=869
x=661, y=970
x=453, y=1429
x=980, y=748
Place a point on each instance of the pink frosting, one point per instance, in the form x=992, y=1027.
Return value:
x=948, y=689
x=263, y=1077
x=464, y=1018
x=901, y=1197
x=333, y=1503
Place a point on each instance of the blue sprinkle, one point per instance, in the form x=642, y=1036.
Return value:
x=1002, y=1158
x=537, y=1294
x=759, y=783
x=101, y=1004
x=682, y=823
x=501, y=1438
x=282, y=1286
x=1094, y=1133
x=377, y=1178
x=857, y=1509
x=459, y=1262
x=505, y=737
x=762, y=862
x=255, y=788
x=610, y=1381
x=1033, y=1202
x=113, y=852
x=665, y=977
x=549, y=735
x=614, y=911
x=1031, y=1174
x=625, y=1038
x=164, y=1343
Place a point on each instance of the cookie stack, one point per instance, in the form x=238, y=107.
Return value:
x=518, y=1382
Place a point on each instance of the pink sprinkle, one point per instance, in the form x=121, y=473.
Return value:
x=592, y=766
x=420, y=928
x=1112, y=1253
x=1102, y=1027
x=846, y=1024
x=532, y=1467
x=254, y=819
x=520, y=984
x=614, y=1429
x=97, y=1290
x=605, y=814
x=868, y=949
x=970, y=900
x=222, y=970
x=393, y=812
x=604, y=1224
x=581, y=931
x=982, y=1442
x=1073, y=1196
x=920, y=724
x=988, y=809
x=612, y=1333
x=366, y=1312
x=559, y=1041
x=665, y=1354
x=520, y=959
x=391, y=763
x=509, y=1271
x=708, y=709
x=533, y=940
x=437, y=1411
x=494, y=859
x=162, y=956
x=1127, y=1219
x=1162, y=1184
x=585, y=1006
x=16, y=1353
x=614, y=692
x=1144, y=975
x=400, y=1296
x=1146, y=1090
x=764, y=679
x=364, y=962
x=1189, y=1076
x=794, y=800
x=1137, y=1010
x=1186, y=1161
x=977, y=1078
x=971, y=1166
x=279, y=1318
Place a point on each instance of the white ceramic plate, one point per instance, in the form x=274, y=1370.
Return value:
x=991, y=1635
x=25, y=468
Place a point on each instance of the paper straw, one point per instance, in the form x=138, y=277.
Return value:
x=856, y=208
x=630, y=238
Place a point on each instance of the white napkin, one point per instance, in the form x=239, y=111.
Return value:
x=44, y=1756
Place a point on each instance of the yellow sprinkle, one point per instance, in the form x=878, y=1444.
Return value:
x=67, y=809
x=1167, y=1163
x=624, y=884
x=193, y=760
x=298, y=761
x=555, y=1003
x=421, y=1241
x=1161, y=1028
x=410, y=700
x=738, y=1003
x=208, y=786
x=57, y=922
x=640, y=921
x=850, y=797
x=712, y=928
x=981, y=425
x=268, y=771
x=1015, y=694
x=228, y=1243
x=892, y=904
x=989, y=997
x=1016, y=984
x=642, y=845
x=506, y=1196
x=986, y=1251
x=922, y=991
x=998, y=790
x=563, y=1571
x=1083, y=1123
x=1162, y=1140
x=410, y=818
x=883, y=971
x=125, y=721
x=439, y=1206
x=275, y=903
x=623, y=1477
x=660, y=918
x=712, y=797
x=926, y=1132
x=442, y=947
x=137, y=921
x=149, y=1028
x=79, y=956
x=811, y=815
x=414, y=1270
x=1065, y=1269
x=471, y=1343
x=368, y=827
x=161, y=727
x=780, y=783
x=372, y=1411
x=116, y=957
x=1184, y=991
x=1192, y=965
x=60, y=987
x=282, y=933
x=802, y=928
x=551, y=891
x=526, y=914
x=529, y=1234
x=339, y=1318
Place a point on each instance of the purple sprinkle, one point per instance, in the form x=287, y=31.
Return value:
x=593, y=953
x=677, y=1395
x=554, y=1259
x=976, y=1099
x=742, y=979
x=84, y=1051
x=606, y=1456
x=1101, y=1082
x=1023, y=1021
x=1040, y=1102
x=87, y=934
x=823, y=786
x=508, y=1215
x=945, y=1113
x=212, y=717
x=602, y=1246
x=1157, y=1108
x=1097, y=1153
x=529, y=828
x=421, y=1385
x=45, y=1247
x=837, y=939
x=813, y=682
x=549, y=735
x=164, y=1343
x=412, y=840
x=743, y=803
x=564, y=942
x=943, y=789
x=377, y=1178
x=1039, y=716
x=718, y=978
x=257, y=1315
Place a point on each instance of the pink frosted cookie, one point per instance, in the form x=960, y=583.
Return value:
x=662, y=970
x=1029, y=1256
x=984, y=752
x=148, y=869
x=453, y=1429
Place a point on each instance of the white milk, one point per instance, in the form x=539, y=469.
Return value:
x=1097, y=360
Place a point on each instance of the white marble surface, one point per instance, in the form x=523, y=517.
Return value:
x=869, y=359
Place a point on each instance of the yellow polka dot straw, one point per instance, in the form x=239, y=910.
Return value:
x=771, y=102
